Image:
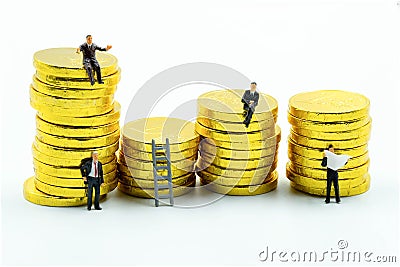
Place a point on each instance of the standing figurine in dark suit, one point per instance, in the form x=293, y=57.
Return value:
x=92, y=174
x=89, y=58
x=250, y=101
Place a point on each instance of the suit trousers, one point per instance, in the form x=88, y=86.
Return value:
x=332, y=176
x=91, y=64
x=249, y=114
x=93, y=182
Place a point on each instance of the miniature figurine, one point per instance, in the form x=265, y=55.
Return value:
x=250, y=101
x=92, y=174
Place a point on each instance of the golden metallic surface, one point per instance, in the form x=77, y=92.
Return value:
x=78, y=83
x=71, y=182
x=233, y=117
x=73, y=112
x=35, y=196
x=65, y=62
x=147, y=156
x=321, y=173
x=67, y=162
x=72, y=103
x=254, y=126
x=146, y=147
x=148, y=174
x=226, y=105
x=229, y=181
x=329, y=105
x=237, y=164
x=92, y=121
x=69, y=172
x=319, y=143
x=320, y=183
x=316, y=163
x=236, y=154
x=353, y=134
x=66, y=92
x=337, y=126
x=72, y=131
x=72, y=191
x=77, y=142
x=148, y=184
x=316, y=153
x=159, y=128
x=236, y=174
x=149, y=193
x=234, y=137
x=186, y=164
x=250, y=190
x=74, y=153
x=245, y=144
x=343, y=192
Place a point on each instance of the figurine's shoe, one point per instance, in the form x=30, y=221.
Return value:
x=98, y=208
x=327, y=202
x=91, y=82
x=101, y=82
x=89, y=208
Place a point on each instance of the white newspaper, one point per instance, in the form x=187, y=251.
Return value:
x=334, y=161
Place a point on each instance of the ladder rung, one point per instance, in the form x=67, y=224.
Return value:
x=159, y=147
x=163, y=186
x=161, y=177
x=161, y=158
x=163, y=196
x=161, y=167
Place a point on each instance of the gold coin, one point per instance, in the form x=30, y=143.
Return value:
x=78, y=83
x=329, y=105
x=363, y=131
x=319, y=143
x=320, y=183
x=35, y=196
x=148, y=184
x=68, y=172
x=149, y=193
x=250, y=190
x=67, y=162
x=92, y=121
x=186, y=164
x=237, y=164
x=65, y=62
x=77, y=142
x=72, y=191
x=72, y=103
x=72, y=131
x=74, y=153
x=321, y=173
x=71, y=182
x=226, y=105
x=338, y=126
x=146, y=147
x=343, y=192
x=316, y=153
x=316, y=163
x=65, y=92
x=148, y=174
x=234, y=137
x=254, y=126
x=146, y=156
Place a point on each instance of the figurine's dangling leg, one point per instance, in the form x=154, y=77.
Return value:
x=98, y=72
x=89, y=71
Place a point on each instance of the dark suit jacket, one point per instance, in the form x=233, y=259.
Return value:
x=90, y=53
x=86, y=167
x=247, y=97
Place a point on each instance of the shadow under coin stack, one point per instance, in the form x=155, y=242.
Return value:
x=236, y=160
x=321, y=118
x=135, y=161
x=73, y=119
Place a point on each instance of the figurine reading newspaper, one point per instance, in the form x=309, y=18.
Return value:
x=334, y=161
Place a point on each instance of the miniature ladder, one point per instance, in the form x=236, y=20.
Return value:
x=158, y=166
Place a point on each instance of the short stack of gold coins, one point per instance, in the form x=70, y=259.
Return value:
x=135, y=161
x=73, y=119
x=236, y=160
x=321, y=118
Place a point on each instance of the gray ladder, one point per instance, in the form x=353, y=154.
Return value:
x=164, y=149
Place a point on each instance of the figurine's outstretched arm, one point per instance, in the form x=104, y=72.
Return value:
x=78, y=50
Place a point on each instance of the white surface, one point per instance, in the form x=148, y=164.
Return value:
x=286, y=46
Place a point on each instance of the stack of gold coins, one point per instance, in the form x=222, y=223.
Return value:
x=73, y=119
x=235, y=159
x=321, y=118
x=135, y=161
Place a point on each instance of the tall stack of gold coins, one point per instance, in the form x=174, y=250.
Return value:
x=321, y=118
x=73, y=119
x=135, y=161
x=234, y=159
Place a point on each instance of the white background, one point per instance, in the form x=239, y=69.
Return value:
x=286, y=46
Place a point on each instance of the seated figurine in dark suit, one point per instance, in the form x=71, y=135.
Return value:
x=250, y=101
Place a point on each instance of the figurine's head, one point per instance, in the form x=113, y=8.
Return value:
x=330, y=148
x=95, y=155
x=253, y=86
x=88, y=39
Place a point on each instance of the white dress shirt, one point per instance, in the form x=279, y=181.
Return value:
x=91, y=174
